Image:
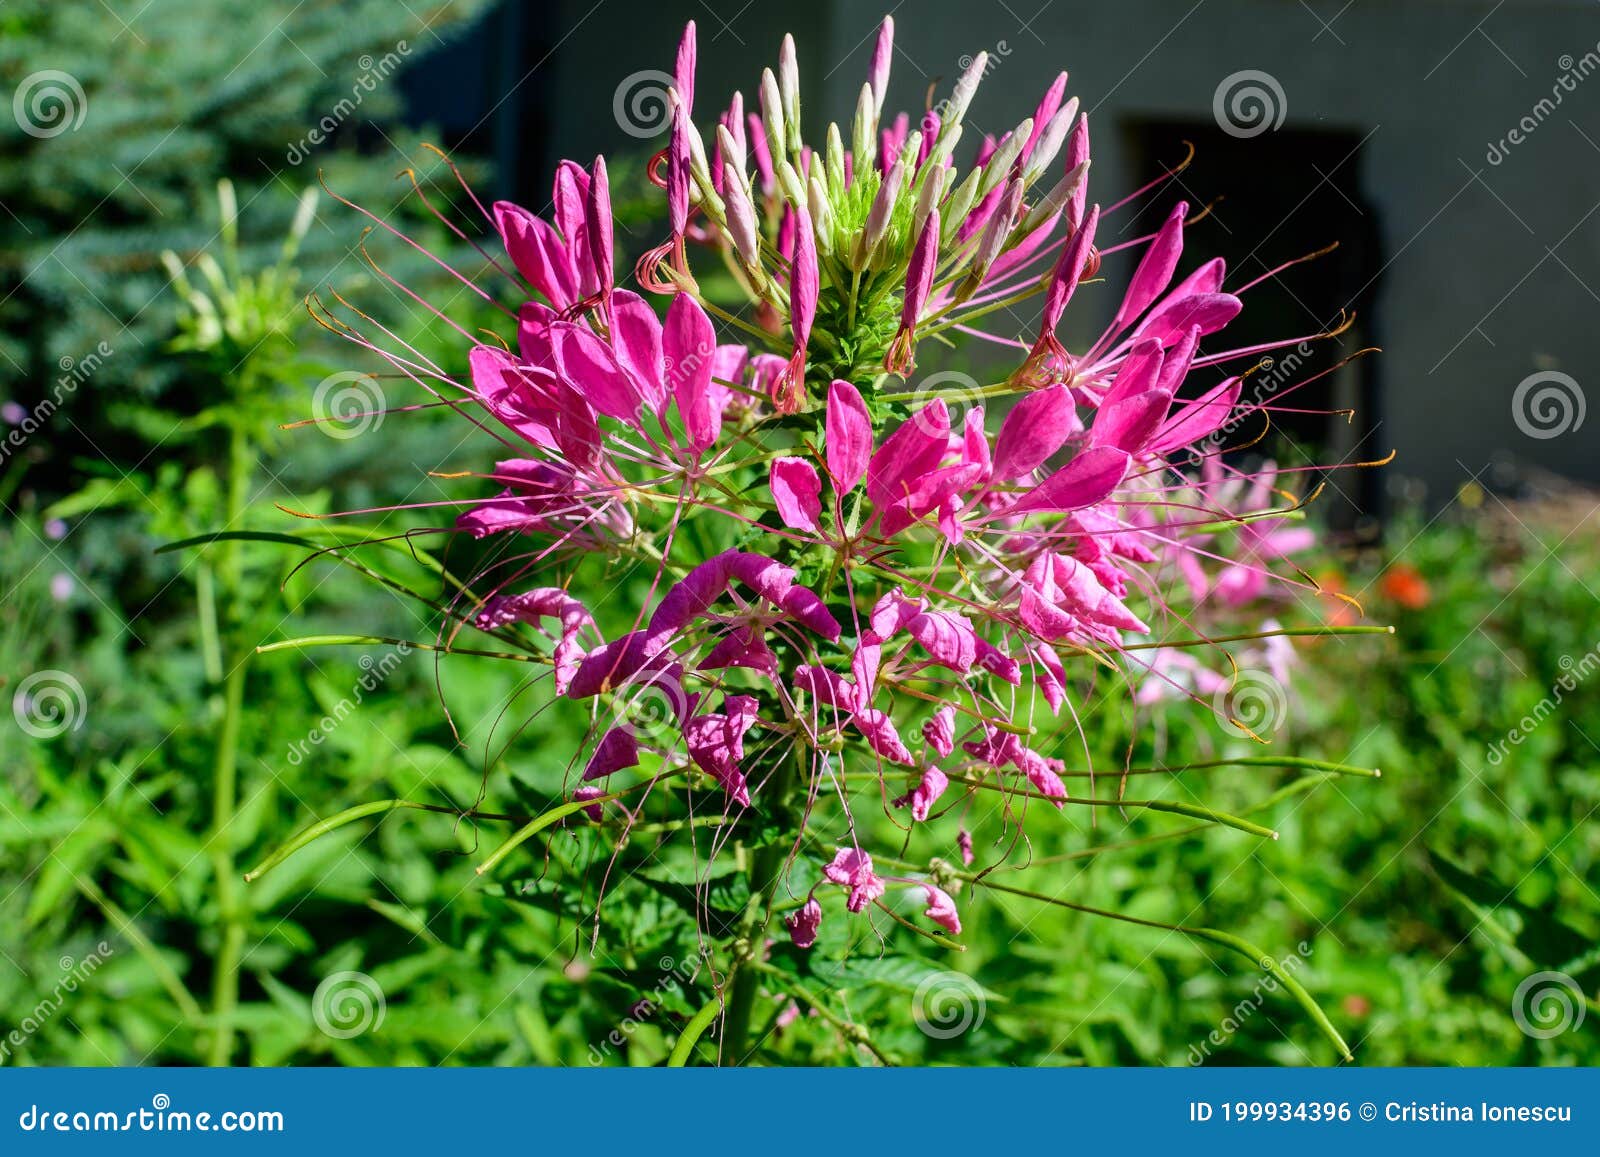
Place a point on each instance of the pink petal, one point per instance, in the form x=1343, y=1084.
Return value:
x=597, y=224
x=618, y=748
x=636, y=340
x=689, y=344
x=1130, y=423
x=803, y=924
x=942, y=909
x=1139, y=372
x=590, y=365
x=796, y=490
x=1036, y=428
x=940, y=730
x=1155, y=270
x=1200, y=418
x=538, y=253
x=909, y=453
x=848, y=436
x=1085, y=481
x=1208, y=311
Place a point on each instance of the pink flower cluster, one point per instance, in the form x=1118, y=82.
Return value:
x=850, y=578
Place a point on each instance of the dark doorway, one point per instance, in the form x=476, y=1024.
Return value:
x=1274, y=197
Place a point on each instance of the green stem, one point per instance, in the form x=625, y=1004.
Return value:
x=765, y=870
x=231, y=908
x=692, y=1033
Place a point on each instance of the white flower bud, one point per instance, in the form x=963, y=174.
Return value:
x=864, y=139
x=1049, y=143
x=772, y=114
x=789, y=90
x=999, y=165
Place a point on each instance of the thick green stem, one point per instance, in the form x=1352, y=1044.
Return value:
x=766, y=868
x=231, y=912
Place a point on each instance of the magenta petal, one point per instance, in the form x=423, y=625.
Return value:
x=803, y=924
x=803, y=283
x=1086, y=480
x=848, y=436
x=1208, y=312
x=520, y=395
x=881, y=735
x=618, y=748
x=1140, y=371
x=1155, y=270
x=1036, y=428
x=636, y=340
x=910, y=452
x=597, y=224
x=940, y=730
x=591, y=366
x=689, y=344
x=942, y=909
x=538, y=253
x=715, y=742
x=927, y=793
x=796, y=490
x=1069, y=270
x=852, y=868
x=1130, y=423
x=595, y=812
x=678, y=172
x=1200, y=418
x=683, y=70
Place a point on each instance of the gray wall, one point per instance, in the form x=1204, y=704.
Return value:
x=1492, y=270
